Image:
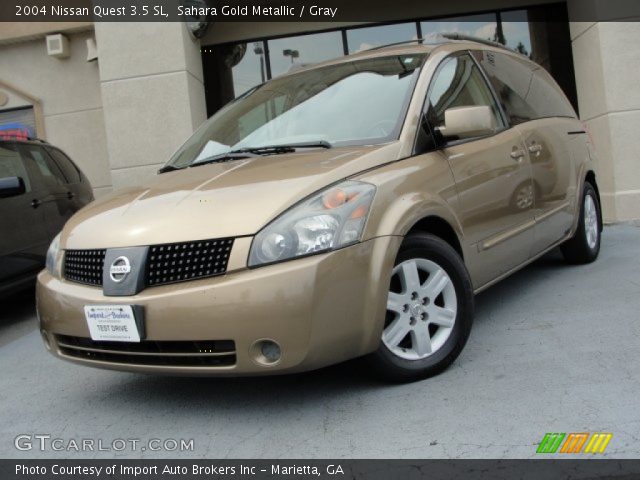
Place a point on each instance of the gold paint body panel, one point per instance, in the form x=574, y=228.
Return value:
x=330, y=307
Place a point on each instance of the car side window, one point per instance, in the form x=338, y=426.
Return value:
x=12, y=165
x=46, y=169
x=66, y=165
x=526, y=91
x=548, y=98
x=458, y=82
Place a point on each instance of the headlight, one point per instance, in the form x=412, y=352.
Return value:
x=330, y=219
x=52, y=256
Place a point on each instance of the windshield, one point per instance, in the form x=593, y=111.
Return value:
x=362, y=102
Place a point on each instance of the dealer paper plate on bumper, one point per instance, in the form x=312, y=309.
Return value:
x=112, y=323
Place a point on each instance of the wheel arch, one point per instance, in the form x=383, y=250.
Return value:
x=438, y=226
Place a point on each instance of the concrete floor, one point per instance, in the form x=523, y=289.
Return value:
x=554, y=349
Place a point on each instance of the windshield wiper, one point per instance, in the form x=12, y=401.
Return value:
x=285, y=148
x=250, y=152
x=169, y=168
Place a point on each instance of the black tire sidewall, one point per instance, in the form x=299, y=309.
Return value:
x=591, y=253
x=433, y=248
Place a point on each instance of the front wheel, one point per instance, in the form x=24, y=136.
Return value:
x=584, y=246
x=429, y=310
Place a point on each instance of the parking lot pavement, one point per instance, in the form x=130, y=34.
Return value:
x=554, y=349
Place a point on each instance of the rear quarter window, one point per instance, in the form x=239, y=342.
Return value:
x=547, y=97
x=66, y=165
x=526, y=91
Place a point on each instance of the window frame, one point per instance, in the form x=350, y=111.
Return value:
x=39, y=179
x=49, y=149
x=535, y=68
x=438, y=144
x=28, y=169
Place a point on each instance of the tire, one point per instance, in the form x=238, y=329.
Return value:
x=441, y=314
x=584, y=246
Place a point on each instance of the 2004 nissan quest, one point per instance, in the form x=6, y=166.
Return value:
x=347, y=209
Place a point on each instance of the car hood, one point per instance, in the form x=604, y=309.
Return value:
x=228, y=199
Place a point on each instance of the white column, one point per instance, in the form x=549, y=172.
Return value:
x=152, y=94
x=607, y=61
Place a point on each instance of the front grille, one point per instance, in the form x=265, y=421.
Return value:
x=168, y=263
x=84, y=266
x=179, y=262
x=210, y=353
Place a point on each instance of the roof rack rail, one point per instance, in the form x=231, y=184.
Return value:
x=471, y=38
x=404, y=42
x=441, y=38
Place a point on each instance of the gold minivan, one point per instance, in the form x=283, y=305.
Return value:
x=351, y=208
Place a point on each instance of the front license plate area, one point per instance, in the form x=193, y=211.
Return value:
x=112, y=323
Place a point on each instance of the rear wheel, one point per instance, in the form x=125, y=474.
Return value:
x=584, y=246
x=429, y=310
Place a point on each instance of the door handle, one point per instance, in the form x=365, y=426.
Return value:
x=70, y=195
x=35, y=203
x=517, y=153
x=535, y=148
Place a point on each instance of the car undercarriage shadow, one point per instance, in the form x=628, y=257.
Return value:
x=352, y=376
x=17, y=316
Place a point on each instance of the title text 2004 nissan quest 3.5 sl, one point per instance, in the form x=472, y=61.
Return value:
x=347, y=209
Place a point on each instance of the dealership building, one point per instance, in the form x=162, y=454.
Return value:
x=120, y=98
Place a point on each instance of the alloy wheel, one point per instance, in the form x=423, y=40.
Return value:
x=421, y=309
x=591, y=221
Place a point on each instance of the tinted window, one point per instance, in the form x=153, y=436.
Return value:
x=458, y=83
x=43, y=165
x=11, y=165
x=526, y=91
x=547, y=97
x=68, y=168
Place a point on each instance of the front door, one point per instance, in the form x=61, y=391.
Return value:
x=24, y=238
x=492, y=174
x=51, y=191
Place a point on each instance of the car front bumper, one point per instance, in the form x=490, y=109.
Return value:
x=320, y=310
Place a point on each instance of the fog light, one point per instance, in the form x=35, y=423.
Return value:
x=271, y=351
x=266, y=352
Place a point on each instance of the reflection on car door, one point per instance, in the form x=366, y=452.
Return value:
x=554, y=178
x=50, y=189
x=492, y=175
x=555, y=166
x=541, y=113
x=24, y=239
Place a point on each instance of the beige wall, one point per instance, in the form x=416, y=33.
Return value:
x=607, y=62
x=153, y=94
x=13, y=32
x=69, y=93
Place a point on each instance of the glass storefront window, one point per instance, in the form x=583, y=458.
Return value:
x=481, y=26
x=515, y=26
x=251, y=70
x=304, y=49
x=360, y=39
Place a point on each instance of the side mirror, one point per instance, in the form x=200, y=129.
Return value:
x=468, y=122
x=11, y=187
